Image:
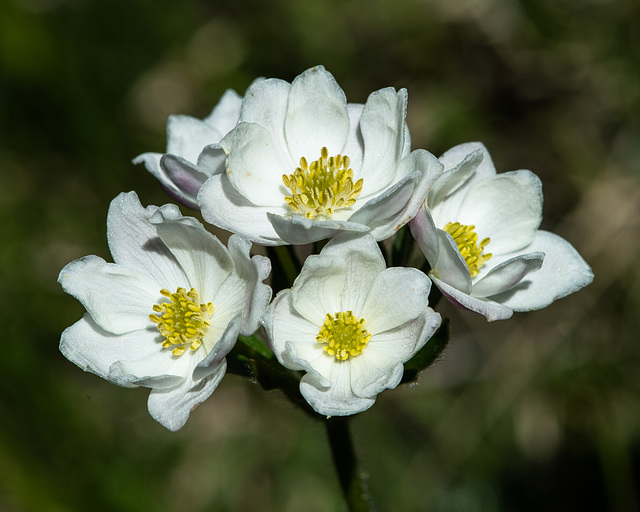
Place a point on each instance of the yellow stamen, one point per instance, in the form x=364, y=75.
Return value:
x=467, y=240
x=344, y=335
x=323, y=186
x=184, y=321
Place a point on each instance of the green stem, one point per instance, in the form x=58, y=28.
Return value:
x=344, y=459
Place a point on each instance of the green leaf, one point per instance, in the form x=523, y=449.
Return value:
x=427, y=355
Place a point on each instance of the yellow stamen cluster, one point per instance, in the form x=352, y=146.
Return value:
x=344, y=335
x=322, y=186
x=467, y=240
x=183, y=321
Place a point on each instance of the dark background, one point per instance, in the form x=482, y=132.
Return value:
x=540, y=412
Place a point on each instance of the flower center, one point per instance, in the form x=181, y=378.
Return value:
x=183, y=321
x=344, y=335
x=471, y=250
x=323, y=186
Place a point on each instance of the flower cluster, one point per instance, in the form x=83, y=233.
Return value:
x=290, y=164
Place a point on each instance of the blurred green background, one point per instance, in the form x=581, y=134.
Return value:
x=540, y=412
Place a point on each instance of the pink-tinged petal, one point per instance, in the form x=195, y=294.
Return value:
x=265, y=104
x=225, y=207
x=212, y=160
x=382, y=126
x=490, y=309
x=563, y=272
x=94, y=350
x=425, y=234
x=298, y=230
x=506, y=208
x=171, y=407
x=254, y=166
x=316, y=115
x=354, y=147
x=134, y=242
x=336, y=400
x=372, y=372
x=399, y=204
x=118, y=299
x=225, y=114
x=204, y=259
x=451, y=267
x=186, y=136
x=397, y=296
x=507, y=274
x=183, y=180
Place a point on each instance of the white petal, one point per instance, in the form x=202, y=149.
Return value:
x=336, y=400
x=354, y=147
x=372, y=372
x=382, y=126
x=507, y=274
x=563, y=272
x=457, y=154
x=490, y=309
x=204, y=259
x=449, y=190
x=425, y=234
x=118, y=299
x=283, y=324
x=220, y=349
x=186, y=136
x=451, y=267
x=316, y=115
x=396, y=206
x=252, y=271
x=95, y=350
x=298, y=230
x=225, y=114
x=212, y=160
x=171, y=407
x=254, y=166
x=398, y=295
x=134, y=241
x=506, y=207
x=265, y=104
x=404, y=341
x=223, y=206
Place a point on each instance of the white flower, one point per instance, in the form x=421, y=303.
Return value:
x=479, y=232
x=350, y=323
x=168, y=311
x=193, y=150
x=304, y=165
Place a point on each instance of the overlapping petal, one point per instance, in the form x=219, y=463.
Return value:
x=517, y=267
x=159, y=252
x=282, y=123
x=349, y=277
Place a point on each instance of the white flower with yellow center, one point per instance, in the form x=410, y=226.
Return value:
x=193, y=150
x=168, y=311
x=350, y=323
x=303, y=164
x=479, y=232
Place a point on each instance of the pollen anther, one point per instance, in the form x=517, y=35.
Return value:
x=323, y=186
x=184, y=321
x=472, y=250
x=343, y=335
